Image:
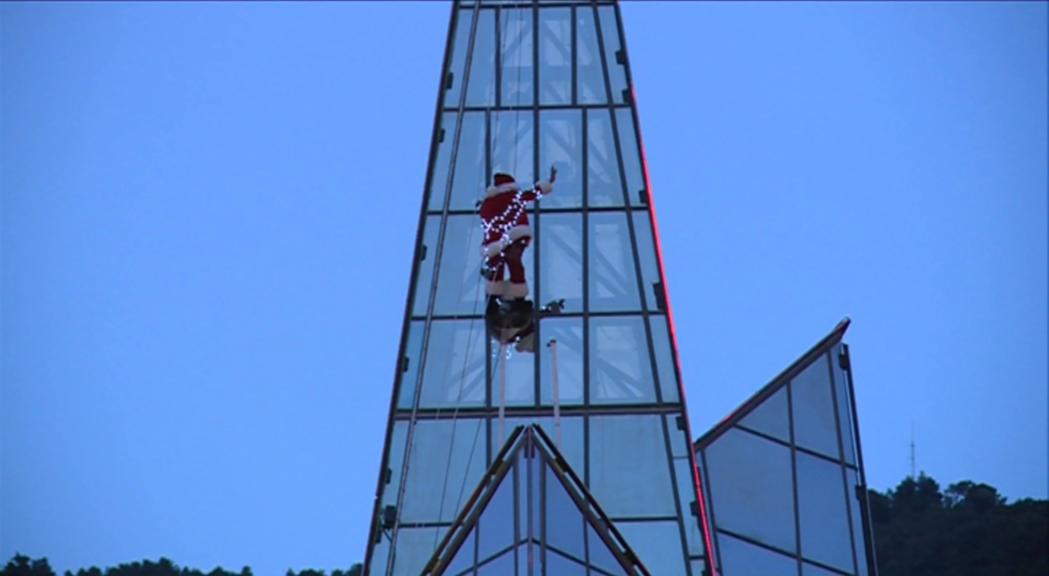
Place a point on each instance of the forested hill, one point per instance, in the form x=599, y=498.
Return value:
x=968, y=529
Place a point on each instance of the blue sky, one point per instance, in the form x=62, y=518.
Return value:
x=208, y=213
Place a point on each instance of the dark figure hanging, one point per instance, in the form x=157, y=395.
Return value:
x=509, y=314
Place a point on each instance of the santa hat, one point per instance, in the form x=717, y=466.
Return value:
x=501, y=178
x=501, y=182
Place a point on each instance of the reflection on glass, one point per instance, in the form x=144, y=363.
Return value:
x=458, y=60
x=657, y=544
x=413, y=353
x=569, y=335
x=613, y=278
x=442, y=163
x=455, y=373
x=751, y=488
x=770, y=417
x=825, y=535
x=744, y=559
x=620, y=367
x=555, y=56
x=480, y=90
x=520, y=377
x=459, y=287
x=512, y=146
x=590, y=82
x=628, y=141
x=814, y=409
x=646, y=251
x=516, y=50
x=414, y=548
x=561, y=263
x=560, y=144
x=610, y=36
x=496, y=524
x=424, y=275
x=451, y=450
x=564, y=523
x=468, y=181
x=664, y=358
x=604, y=186
x=629, y=471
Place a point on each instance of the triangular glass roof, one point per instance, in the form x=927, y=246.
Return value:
x=531, y=516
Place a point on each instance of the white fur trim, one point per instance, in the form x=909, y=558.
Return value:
x=493, y=190
x=544, y=187
x=492, y=249
x=520, y=231
x=495, y=288
x=514, y=290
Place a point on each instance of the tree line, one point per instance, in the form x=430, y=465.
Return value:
x=968, y=529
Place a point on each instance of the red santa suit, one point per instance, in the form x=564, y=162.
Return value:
x=504, y=216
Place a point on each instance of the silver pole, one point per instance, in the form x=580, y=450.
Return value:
x=555, y=391
x=502, y=394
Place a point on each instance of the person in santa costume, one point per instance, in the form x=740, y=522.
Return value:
x=504, y=216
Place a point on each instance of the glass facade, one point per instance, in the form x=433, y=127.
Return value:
x=784, y=475
x=530, y=84
x=531, y=516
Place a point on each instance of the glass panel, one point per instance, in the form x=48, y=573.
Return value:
x=512, y=146
x=464, y=559
x=858, y=521
x=415, y=546
x=770, y=417
x=481, y=88
x=555, y=56
x=751, y=488
x=571, y=433
x=738, y=558
x=600, y=556
x=516, y=50
x=613, y=278
x=590, y=80
x=569, y=335
x=629, y=472
x=396, y=458
x=441, y=164
x=561, y=262
x=496, y=524
x=413, y=352
x=455, y=373
x=459, y=287
x=561, y=144
x=447, y=462
x=687, y=493
x=459, y=44
x=824, y=525
x=844, y=393
x=424, y=275
x=620, y=367
x=679, y=444
x=468, y=182
x=628, y=143
x=501, y=566
x=520, y=377
x=557, y=565
x=564, y=521
x=664, y=358
x=657, y=545
x=646, y=251
x=604, y=185
x=610, y=35
x=814, y=409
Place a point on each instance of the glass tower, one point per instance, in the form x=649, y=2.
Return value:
x=527, y=85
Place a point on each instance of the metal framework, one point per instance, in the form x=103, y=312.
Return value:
x=784, y=474
x=527, y=84
x=531, y=515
